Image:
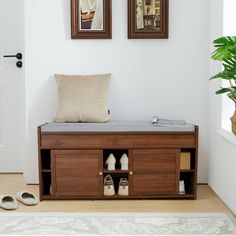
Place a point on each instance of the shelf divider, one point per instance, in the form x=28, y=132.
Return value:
x=115, y=171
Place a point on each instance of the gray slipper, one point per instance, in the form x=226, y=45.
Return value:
x=27, y=198
x=8, y=202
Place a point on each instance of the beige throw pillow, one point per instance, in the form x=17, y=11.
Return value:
x=82, y=98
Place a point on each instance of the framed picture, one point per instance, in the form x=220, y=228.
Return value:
x=148, y=19
x=91, y=19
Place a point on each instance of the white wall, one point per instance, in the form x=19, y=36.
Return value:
x=222, y=154
x=229, y=28
x=164, y=77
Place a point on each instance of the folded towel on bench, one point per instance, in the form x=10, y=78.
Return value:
x=164, y=122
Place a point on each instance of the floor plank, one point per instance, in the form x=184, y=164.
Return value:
x=207, y=201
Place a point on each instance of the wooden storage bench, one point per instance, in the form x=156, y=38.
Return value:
x=72, y=159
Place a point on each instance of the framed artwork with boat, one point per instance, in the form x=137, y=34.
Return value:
x=91, y=19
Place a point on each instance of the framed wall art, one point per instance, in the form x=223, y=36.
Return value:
x=91, y=19
x=148, y=19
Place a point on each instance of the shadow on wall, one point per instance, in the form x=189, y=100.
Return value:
x=44, y=106
x=42, y=111
x=66, y=14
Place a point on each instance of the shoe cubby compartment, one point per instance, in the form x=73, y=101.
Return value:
x=186, y=152
x=116, y=179
x=45, y=159
x=117, y=153
x=188, y=178
x=46, y=171
x=188, y=169
x=46, y=183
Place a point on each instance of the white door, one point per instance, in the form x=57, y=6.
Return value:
x=11, y=86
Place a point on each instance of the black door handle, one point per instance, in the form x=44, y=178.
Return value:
x=18, y=56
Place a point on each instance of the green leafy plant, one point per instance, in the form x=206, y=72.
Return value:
x=226, y=52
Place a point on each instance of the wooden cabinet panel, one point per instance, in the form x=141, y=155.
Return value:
x=100, y=141
x=77, y=173
x=155, y=171
x=154, y=185
x=154, y=161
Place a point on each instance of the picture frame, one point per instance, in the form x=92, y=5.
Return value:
x=91, y=19
x=148, y=19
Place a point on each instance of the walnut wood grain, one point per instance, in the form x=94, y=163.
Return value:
x=154, y=158
x=154, y=171
x=83, y=141
x=77, y=172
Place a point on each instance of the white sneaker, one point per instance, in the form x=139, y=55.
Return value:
x=124, y=162
x=123, y=187
x=109, y=189
x=110, y=162
x=181, y=187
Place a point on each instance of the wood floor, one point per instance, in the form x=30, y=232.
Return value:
x=207, y=201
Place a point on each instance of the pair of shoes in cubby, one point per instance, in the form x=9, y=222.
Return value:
x=109, y=188
x=111, y=162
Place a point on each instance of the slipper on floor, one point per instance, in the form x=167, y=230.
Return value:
x=27, y=198
x=8, y=202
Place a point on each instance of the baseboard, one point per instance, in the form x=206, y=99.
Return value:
x=11, y=173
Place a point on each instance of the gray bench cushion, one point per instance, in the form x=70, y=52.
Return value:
x=114, y=126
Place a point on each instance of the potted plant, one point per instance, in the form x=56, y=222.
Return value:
x=226, y=53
